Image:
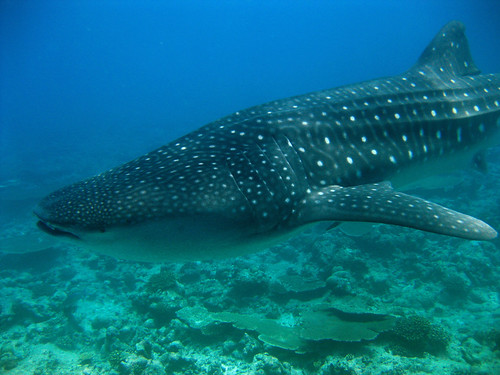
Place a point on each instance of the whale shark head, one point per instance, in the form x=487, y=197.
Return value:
x=255, y=177
x=188, y=200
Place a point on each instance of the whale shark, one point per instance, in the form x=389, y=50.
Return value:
x=258, y=176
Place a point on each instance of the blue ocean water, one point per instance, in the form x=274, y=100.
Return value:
x=88, y=85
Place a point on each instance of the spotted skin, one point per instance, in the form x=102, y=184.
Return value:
x=272, y=168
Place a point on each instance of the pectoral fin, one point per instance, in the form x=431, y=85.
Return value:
x=380, y=203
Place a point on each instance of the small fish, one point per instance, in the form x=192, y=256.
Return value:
x=253, y=178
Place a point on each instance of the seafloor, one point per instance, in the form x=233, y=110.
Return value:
x=390, y=301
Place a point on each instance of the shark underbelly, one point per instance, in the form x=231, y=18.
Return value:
x=182, y=240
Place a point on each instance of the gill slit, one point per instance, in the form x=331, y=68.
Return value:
x=300, y=160
x=238, y=185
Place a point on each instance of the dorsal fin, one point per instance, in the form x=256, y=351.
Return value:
x=448, y=52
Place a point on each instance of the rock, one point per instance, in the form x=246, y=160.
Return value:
x=473, y=353
x=126, y=333
x=144, y=349
x=340, y=283
x=102, y=321
x=154, y=368
x=250, y=345
x=265, y=364
x=8, y=361
x=133, y=365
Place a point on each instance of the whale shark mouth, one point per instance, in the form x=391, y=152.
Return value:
x=45, y=225
x=53, y=231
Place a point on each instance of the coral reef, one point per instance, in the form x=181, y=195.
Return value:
x=163, y=281
x=416, y=335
